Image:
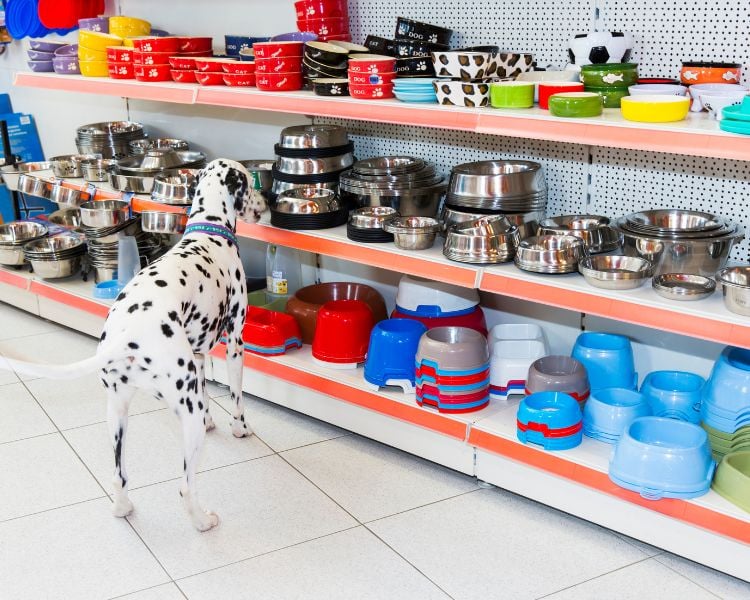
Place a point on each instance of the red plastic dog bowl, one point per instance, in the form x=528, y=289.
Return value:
x=358, y=78
x=371, y=63
x=283, y=64
x=170, y=45
x=268, y=332
x=279, y=82
x=474, y=320
x=342, y=333
x=124, y=70
x=371, y=92
x=183, y=76
x=195, y=44
x=152, y=73
x=119, y=54
x=209, y=78
x=277, y=49
x=239, y=79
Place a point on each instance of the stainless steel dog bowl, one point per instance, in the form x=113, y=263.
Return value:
x=67, y=196
x=488, y=240
x=527, y=222
x=307, y=201
x=105, y=213
x=314, y=166
x=594, y=230
x=497, y=179
x=279, y=187
x=735, y=284
x=98, y=170
x=33, y=186
x=412, y=233
x=174, y=187
x=260, y=173
x=69, y=165
x=313, y=136
x=13, y=236
x=59, y=246
x=11, y=173
x=371, y=217
x=615, y=272
x=110, y=139
x=388, y=165
x=138, y=147
x=66, y=217
x=131, y=183
x=162, y=159
x=155, y=221
x=550, y=254
x=683, y=286
x=57, y=269
x=674, y=221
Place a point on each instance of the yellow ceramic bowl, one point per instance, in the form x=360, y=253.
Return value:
x=94, y=68
x=128, y=26
x=652, y=108
x=88, y=54
x=128, y=41
x=95, y=40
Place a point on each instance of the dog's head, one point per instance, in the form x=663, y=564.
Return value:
x=222, y=191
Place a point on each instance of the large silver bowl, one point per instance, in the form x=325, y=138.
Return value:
x=412, y=233
x=615, y=272
x=69, y=165
x=498, y=179
x=388, y=165
x=488, y=240
x=527, y=222
x=56, y=247
x=307, y=201
x=131, y=183
x=98, y=170
x=11, y=173
x=33, y=186
x=57, y=268
x=659, y=221
x=105, y=213
x=138, y=147
x=67, y=196
x=371, y=217
x=419, y=201
x=13, y=236
x=158, y=160
x=174, y=187
x=594, y=230
x=313, y=136
x=314, y=166
x=550, y=254
x=155, y=221
x=66, y=217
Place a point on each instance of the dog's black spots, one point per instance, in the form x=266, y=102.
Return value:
x=200, y=288
x=153, y=273
x=213, y=218
x=147, y=304
x=180, y=362
x=184, y=273
x=182, y=282
x=166, y=330
x=179, y=383
x=191, y=366
x=142, y=368
x=104, y=335
x=124, y=378
x=238, y=275
x=161, y=283
x=106, y=385
x=172, y=315
x=147, y=359
x=215, y=242
x=114, y=386
x=133, y=345
x=218, y=284
x=200, y=405
x=208, y=260
x=242, y=418
x=121, y=296
x=189, y=405
x=133, y=307
x=202, y=271
x=182, y=400
x=204, y=320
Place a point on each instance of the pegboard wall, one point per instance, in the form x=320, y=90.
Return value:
x=565, y=165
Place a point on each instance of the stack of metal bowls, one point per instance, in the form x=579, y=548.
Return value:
x=110, y=139
x=409, y=185
x=56, y=257
x=157, y=160
x=366, y=224
x=595, y=231
x=13, y=236
x=550, y=254
x=679, y=241
x=308, y=208
x=513, y=188
x=139, y=147
x=487, y=240
x=311, y=155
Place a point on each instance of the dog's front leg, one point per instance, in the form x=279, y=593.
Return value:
x=200, y=363
x=235, y=364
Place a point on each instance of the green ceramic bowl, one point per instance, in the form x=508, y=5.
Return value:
x=610, y=96
x=732, y=479
x=614, y=75
x=575, y=104
x=512, y=94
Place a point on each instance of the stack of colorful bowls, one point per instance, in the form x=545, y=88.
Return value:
x=120, y=62
x=42, y=57
x=414, y=44
x=65, y=60
x=610, y=81
x=552, y=420
x=438, y=304
x=414, y=89
x=725, y=410
x=610, y=411
x=674, y=394
x=325, y=64
x=453, y=370
x=556, y=373
x=328, y=19
x=239, y=46
x=92, y=52
x=513, y=348
x=151, y=57
x=392, y=352
x=371, y=76
x=282, y=64
x=736, y=117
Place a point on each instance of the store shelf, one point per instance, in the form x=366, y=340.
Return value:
x=698, y=135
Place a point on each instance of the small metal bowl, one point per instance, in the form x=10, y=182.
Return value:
x=174, y=187
x=550, y=254
x=413, y=233
x=138, y=147
x=683, y=286
x=735, y=283
x=58, y=268
x=69, y=165
x=615, y=272
x=371, y=217
x=155, y=221
x=260, y=172
x=131, y=183
x=105, y=213
x=594, y=230
x=18, y=233
x=67, y=196
x=488, y=240
x=314, y=166
x=98, y=169
x=307, y=201
x=66, y=217
x=56, y=247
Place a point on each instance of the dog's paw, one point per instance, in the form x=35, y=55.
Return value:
x=122, y=508
x=206, y=520
x=239, y=429
x=209, y=422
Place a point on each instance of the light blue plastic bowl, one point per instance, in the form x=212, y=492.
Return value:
x=608, y=359
x=674, y=394
x=609, y=411
x=727, y=391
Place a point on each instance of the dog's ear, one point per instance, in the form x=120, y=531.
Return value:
x=237, y=185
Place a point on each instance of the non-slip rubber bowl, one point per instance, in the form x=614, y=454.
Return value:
x=458, y=349
x=674, y=394
x=269, y=333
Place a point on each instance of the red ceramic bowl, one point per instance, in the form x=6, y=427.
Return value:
x=268, y=332
x=121, y=70
x=182, y=63
x=152, y=73
x=195, y=44
x=321, y=9
x=183, y=76
x=170, y=45
x=371, y=63
x=382, y=91
x=283, y=64
x=342, y=333
x=151, y=58
x=239, y=67
x=327, y=26
x=557, y=87
x=209, y=78
x=119, y=54
x=203, y=53
x=277, y=49
x=239, y=79
x=279, y=82
x=473, y=320
x=371, y=78
x=208, y=65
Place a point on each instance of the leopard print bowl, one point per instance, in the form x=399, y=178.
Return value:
x=465, y=66
x=462, y=93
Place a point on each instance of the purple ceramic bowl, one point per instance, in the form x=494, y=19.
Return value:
x=295, y=36
x=38, y=55
x=43, y=46
x=67, y=50
x=100, y=24
x=41, y=66
x=66, y=65
x=160, y=33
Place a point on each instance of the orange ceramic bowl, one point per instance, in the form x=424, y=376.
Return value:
x=710, y=72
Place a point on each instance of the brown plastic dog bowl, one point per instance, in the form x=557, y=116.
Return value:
x=306, y=303
x=559, y=374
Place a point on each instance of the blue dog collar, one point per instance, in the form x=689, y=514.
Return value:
x=212, y=229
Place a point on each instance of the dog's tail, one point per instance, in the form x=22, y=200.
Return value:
x=69, y=371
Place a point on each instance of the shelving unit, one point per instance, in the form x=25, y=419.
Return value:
x=699, y=135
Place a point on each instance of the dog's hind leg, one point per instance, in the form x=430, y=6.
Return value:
x=200, y=362
x=119, y=396
x=193, y=433
x=235, y=365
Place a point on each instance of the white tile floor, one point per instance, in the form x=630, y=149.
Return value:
x=308, y=511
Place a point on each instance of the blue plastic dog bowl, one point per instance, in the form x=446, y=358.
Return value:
x=674, y=394
x=609, y=411
x=392, y=351
x=727, y=391
x=608, y=359
x=556, y=410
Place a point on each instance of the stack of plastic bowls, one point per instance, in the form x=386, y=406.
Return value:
x=453, y=370
x=270, y=333
x=674, y=394
x=556, y=373
x=663, y=458
x=608, y=359
x=391, y=354
x=552, y=420
x=732, y=480
x=725, y=410
x=610, y=411
x=513, y=348
x=414, y=89
x=438, y=304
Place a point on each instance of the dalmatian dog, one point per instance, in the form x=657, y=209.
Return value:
x=167, y=318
